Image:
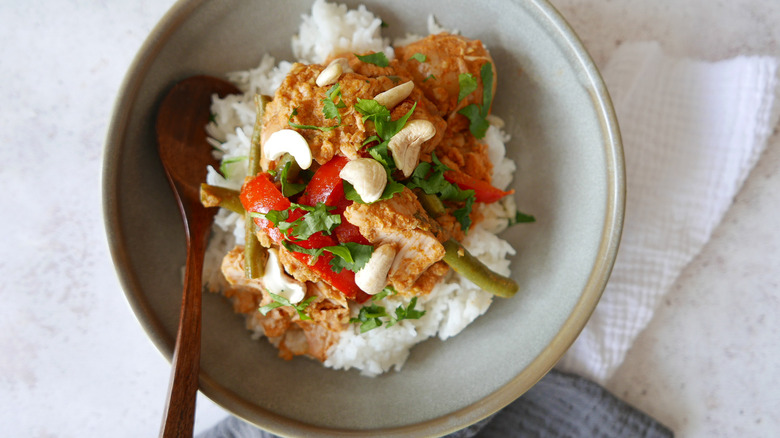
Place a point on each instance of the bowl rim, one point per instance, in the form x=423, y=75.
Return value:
x=607, y=252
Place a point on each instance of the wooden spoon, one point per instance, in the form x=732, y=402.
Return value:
x=185, y=153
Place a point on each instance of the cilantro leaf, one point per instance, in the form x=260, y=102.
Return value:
x=368, y=317
x=379, y=59
x=380, y=115
x=314, y=253
x=299, y=126
x=478, y=124
x=429, y=77
x=349, y=255
x=408, y=312
x=277, y=217
x=382, y=154
x=467, y=83
x=430, y=178
x=386, y=292
x=521, y=218
x=289, y=188
x=463, y=214
x=419, y=57
x=330, y=106
x=391, y=127
x=371, y=139
x=477, y=114
x=372, y=110
x=315, y=220
x=279, y=301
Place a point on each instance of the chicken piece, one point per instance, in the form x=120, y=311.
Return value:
x=447, y=56
x=299, y=92
x=459, y=150
x=402, y=222
x=329, y=312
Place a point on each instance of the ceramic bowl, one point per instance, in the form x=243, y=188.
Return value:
x=565, y=141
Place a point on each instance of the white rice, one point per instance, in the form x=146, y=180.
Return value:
x=455, y=302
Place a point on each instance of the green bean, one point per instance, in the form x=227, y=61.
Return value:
x=465, y=264
x=461, y=261
x=215, y=196
x=292, y=172
x=255, y=255
x=431, y=203
x=255, y=150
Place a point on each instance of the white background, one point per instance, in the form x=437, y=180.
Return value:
x=74, y=362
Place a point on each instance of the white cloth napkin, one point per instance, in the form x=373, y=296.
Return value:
x=692, y=131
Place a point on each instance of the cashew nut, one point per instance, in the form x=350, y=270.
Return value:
x=405, y=145
x=367, y=176
x=332, y=72
x=276, y=281
x=288, y=141
x=395, y=95
x=372, y=278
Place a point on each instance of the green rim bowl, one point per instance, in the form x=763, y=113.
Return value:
x=570, y=176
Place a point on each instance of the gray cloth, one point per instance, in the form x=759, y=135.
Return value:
x=560, y=405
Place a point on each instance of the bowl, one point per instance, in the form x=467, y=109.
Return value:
x=565, y=141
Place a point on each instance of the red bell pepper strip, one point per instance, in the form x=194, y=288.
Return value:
x=261, y=195
x=483, y=191
x=326, y=186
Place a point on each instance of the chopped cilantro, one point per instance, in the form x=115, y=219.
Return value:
x=224, y=167
x=463, y=214
x=371, y=139
x=280, y=301
x=381, y=153
x=429, y=77
x=467, y=83
x=379, y=59
x=477, y=114
x=314, y=253
x=315, y=220
x=430, y=178
x=419, y=57
x=332, y=103
x=349, y=255
x=380, y=115
x=521, y=218
x=289, y=188
x=386, y=292
x=369, y=316
x=298, y=126
x=478, y=124
x=408, y=312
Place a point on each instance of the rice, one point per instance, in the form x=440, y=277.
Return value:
x=455, y=302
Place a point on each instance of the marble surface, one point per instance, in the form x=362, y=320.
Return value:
x=74, y=361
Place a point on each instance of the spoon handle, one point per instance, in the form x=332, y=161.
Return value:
x=179, y=415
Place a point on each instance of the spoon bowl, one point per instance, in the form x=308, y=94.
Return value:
x=185, y=153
